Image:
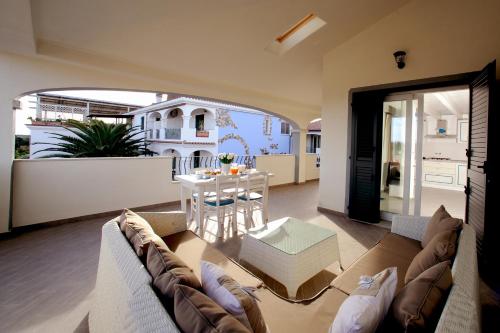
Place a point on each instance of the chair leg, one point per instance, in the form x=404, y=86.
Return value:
x=220, y=222
x=234, y=219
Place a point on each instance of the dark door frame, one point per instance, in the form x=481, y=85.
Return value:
x=461, y=79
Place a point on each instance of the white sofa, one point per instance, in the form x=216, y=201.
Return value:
x=462, y=311
x=124, y=300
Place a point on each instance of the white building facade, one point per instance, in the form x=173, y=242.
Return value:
x=181, y=127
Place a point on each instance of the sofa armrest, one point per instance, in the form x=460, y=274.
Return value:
x=410, y=226
x=166, y=223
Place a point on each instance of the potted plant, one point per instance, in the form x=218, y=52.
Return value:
x=225, y=160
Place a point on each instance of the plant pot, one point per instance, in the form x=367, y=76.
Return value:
x=224, y=168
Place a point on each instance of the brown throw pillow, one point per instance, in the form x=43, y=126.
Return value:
x=196, y=312
x=252, y=317
x=418, y=306
x=138, y=232
x=168, y=270
x=440, y=221
x=442, y=247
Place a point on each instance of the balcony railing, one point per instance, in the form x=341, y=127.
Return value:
x=202, y=134
x=172, y=133
x=185, y=165
x=54, y=112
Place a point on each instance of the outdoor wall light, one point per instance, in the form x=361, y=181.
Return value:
x=400, y=57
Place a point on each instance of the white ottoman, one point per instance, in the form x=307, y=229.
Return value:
x=290, y=251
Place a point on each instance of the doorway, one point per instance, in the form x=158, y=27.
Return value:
x=366, y=187
x=424, y=144
x=200, y=122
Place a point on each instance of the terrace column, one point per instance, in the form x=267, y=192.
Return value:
x=299, y=150
x=185, y=121
x=6, y=157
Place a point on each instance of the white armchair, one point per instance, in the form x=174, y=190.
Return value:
x=410, y=226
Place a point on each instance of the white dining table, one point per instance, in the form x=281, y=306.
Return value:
x=192, y=184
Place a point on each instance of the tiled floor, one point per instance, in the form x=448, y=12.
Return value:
x=431, y=199
x=47, y=275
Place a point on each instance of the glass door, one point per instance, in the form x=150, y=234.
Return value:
x=401, y=152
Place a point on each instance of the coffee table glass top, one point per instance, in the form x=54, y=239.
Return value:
x=290, y=235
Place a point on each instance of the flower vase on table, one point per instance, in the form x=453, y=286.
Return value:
x=224, y=168
x=225, y=160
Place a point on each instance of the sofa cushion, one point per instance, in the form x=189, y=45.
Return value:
x=196, y=312
x=168, y=270
x=418, y=306
x=442, y=247
x=232, y=297
x=138, y=232
x=192, y=250
x=392, y=250
x=367, y=306
x=279, y=314
x=439, y=222
x=315, y=316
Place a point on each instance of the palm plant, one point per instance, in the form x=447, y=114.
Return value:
x=97, y=139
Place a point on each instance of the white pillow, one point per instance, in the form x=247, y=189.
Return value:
x=361, y=312
x=210, y=273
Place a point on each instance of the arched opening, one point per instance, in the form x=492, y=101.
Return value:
x=174, y=118
x=201, y=159
x=313, y=139
x=203, y=121
x=154, y=125
x=173, y=124
x=160, y=121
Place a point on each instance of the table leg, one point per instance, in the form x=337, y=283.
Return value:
x=265, y=208
x=200, y=211
x=183, y=198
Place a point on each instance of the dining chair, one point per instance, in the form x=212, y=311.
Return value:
x=221, y=201
x=254, y=196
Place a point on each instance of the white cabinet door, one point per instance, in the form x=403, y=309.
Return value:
x=463, y=131
x=462, y=174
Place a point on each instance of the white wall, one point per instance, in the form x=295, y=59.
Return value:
x=282, y=166
x=43, y=134
x=312, y=171
x=441, y=37
x=52, y=189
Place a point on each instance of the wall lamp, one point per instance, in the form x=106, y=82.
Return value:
x=400, y=57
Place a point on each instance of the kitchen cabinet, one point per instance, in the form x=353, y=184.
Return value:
x=462, y=174
x=446, y=174
x=463, y=131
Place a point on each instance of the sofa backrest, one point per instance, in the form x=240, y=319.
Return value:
x=462, y=312
x=124, y=300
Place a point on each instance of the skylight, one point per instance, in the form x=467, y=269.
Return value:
x=305, y=27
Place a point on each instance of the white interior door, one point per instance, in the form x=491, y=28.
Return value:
x=402, y=155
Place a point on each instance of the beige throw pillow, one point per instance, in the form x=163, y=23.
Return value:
x=442, y=247
x=138, y=232
x=418, y=306
x=168, y=270
x=440, y=221
x=196, y=312
x=235, y=299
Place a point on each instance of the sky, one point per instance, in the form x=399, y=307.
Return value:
x=127, y=97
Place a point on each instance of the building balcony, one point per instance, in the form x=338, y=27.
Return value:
x=184, y=134
x=172, y=133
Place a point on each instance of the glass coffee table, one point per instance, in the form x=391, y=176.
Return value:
x=290, y=251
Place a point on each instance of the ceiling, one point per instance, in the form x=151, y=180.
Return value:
x=222, y=41
x=453, y=102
